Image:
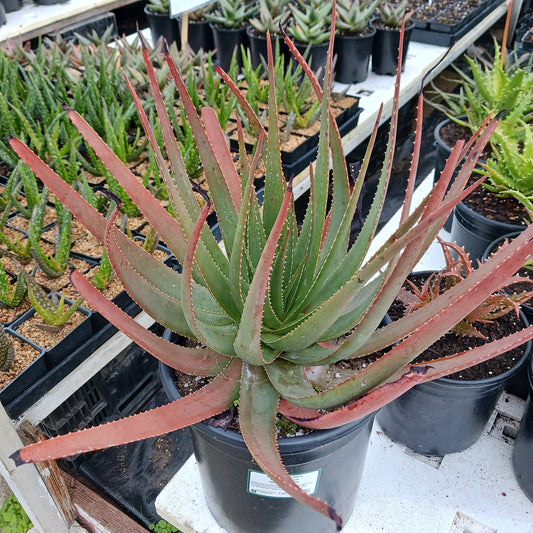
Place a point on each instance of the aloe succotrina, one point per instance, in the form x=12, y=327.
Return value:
x=276, y=301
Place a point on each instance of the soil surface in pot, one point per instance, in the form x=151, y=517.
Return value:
x=451, y=343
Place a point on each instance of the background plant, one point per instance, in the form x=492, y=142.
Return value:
x=271, y=14
x=310, y=21
x=13, y=518
x=353, y=16
x=232, y=14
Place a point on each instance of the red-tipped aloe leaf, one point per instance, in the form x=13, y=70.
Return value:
x=197, y=361
x=214, y=398
x=258, y=404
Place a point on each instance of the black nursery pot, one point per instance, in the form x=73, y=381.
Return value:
x=518, y=384
x=475, y=232
x=523, y=447
x=353, y=57
x=162, y=25
x=445, y=415
x=329, y=464
x=11, y=5
x=227, y=42
x=199, y=35
x=385, y=48
x=316, y=57
x=258, y=46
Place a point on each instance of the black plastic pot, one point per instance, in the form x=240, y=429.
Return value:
x=523, y=446
x=445, y=415
x=3, y=18
x=11, y=5
x=316, y=57
x=228, y=42
x=200, y=35
x=353, y=57
x=385, y=48
x=475, y=232
x=518, y=384
x=243, y=499
x=162, y=25
x=258, y=46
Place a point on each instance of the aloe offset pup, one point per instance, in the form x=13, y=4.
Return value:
x=280, y=303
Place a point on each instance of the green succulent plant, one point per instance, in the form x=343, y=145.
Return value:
x=310, y=23
x=7, y=350
x=158, y=6
x=232, y=14
x=493, y=84
x=509, y=169
x=353, y=16
x=272, y=14
x=392, y=13
x=276, y=304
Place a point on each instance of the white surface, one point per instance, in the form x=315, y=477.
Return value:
x=474, y=491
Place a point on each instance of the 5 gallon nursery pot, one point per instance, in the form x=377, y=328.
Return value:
x=242, y=499
x=445, y=415
x=523, y=447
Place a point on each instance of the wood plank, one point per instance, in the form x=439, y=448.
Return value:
x=95, y=511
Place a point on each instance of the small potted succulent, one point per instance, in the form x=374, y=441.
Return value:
x=387, y=39
x=272, y=15
x=229, y=20
x=277, y=308
x=309, y=26
x=199, y=33
x=160, y=22
x=353, y=39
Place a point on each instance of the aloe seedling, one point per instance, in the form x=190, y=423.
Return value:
x=11, y=294
x=52, y=266
x=53, y=310
x=280, y=298
x=495, y=306
x=7, y=350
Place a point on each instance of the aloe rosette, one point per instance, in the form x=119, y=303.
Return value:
x=274, y=304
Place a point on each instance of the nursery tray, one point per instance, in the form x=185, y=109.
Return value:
x=441, y=34
x=296, y=161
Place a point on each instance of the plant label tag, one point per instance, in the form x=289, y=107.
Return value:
x=261, y=485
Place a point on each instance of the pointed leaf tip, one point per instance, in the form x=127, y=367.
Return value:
x=336, y=518
x=141, y=38
x=66, y=107
x=112, y=196
x=17, y=459
x=165, y=48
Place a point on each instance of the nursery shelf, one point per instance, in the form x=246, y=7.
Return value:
x=34, y=19
x=469, y=492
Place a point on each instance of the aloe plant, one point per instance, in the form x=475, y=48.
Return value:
x=310, y=21
x=455, y=270
x=491, y=86
x=53, y=310
x=391, y=13
x=11, y=294
x=271, y=15
x=231, y=14
x=510, y=168
x=353, y=16
x=7, y=350
x=55, y=265
x=280, y=302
